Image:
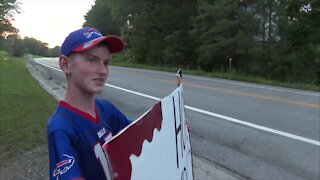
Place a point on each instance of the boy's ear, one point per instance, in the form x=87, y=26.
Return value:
x=64, y=64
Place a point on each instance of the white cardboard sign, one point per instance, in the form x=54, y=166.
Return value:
x=155, y=146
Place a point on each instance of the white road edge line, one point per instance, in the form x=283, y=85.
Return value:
x=281, y=133
x=133, y=92
x=230, y=119
x=233, y=83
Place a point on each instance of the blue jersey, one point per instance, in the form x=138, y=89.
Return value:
x=73, y=136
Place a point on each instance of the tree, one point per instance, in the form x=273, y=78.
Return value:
x=7, y=9
x=146, y=26
x=32, y=45
x=55, y=52
x=179, y=46
x=100, y=17
x=303, y=38
x=15, y=45
x=179, y=50
x=36, y=47
x=2, y=43
x=215, y=30
x=248, y=30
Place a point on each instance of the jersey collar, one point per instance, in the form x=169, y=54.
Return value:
x=80, y=112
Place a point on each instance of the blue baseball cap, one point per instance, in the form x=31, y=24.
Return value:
x=88, y=37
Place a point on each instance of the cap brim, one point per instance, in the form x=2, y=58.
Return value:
x=114, y=43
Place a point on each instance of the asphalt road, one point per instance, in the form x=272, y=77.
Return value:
x=252, y=130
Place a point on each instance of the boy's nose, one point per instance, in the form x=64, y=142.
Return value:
x=102, y=69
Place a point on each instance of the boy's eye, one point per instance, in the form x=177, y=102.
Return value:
x=92, y=59
x=106, y=63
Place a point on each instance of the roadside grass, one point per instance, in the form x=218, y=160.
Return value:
x=24, y=109
x=231, y=76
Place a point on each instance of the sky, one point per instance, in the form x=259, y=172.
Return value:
x=50, y=21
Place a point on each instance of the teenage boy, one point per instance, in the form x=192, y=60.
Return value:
x=82, y=123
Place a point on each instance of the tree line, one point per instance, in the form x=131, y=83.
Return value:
x=19, y=47
x=269, y=38
x=9, y=39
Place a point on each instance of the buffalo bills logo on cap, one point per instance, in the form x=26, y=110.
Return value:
x=88, y=33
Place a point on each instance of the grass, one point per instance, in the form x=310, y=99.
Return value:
x=24, y=109
x=231, y=76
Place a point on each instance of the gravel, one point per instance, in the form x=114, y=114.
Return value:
x=32, y=165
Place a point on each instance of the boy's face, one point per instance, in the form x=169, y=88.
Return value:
x=88, y=70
